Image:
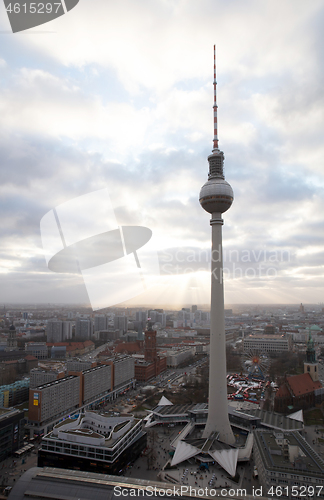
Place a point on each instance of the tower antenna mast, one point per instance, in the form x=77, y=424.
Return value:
x=215, y=140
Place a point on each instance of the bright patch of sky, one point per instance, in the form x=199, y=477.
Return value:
x=119, y=95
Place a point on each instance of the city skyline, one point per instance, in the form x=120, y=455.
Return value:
x=121, y=97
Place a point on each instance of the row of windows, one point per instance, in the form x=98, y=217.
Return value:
x=92, y=452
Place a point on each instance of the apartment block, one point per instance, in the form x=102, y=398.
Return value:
x=53, y=399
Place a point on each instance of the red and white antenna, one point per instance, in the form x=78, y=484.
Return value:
x=215, y=140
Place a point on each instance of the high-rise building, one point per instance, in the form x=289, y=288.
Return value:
x=216, y=197
x=44, y=375
x=54, y=331
x=97, y=382
x=100, y=322
x=58, y=331
x=121, y=323
x=141, y=316
x=161, y=318
x=124, y=370
x=77, y=365
x=12, y=431
x=66, y=330
x=54, y=399
x=12, y=339
x=83, y=328
x=152, y=315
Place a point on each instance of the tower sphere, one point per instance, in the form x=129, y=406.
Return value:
x=216, y=195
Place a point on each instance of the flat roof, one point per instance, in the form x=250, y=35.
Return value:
x=53, y=382
x=9, y=412
x=174, y=409
x=82, y=431
x=54, y=484
x=311, y=464
x=272, y=419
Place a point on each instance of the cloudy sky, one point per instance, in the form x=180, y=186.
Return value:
x=118, y=96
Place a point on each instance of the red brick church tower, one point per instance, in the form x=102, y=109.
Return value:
x=150, y=352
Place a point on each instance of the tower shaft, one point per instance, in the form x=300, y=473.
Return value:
x=217, y=421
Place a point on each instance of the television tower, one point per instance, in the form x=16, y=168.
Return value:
x=216, y=196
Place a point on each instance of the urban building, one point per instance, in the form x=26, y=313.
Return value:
x=40, y=377
x=151, y=365
x=21, y=366
x=185, y=318
x=83, y=329
x=267, y=343
x=121, y=323
x=14, y=394
x=161, y=319
x=129, y=347
x=77, y=365
x=301, y=391
x=94, y=382
x=73, y=349
x=298, y=392
x=100, y=322
x=58, y=331
x=285, y=460
x=54, y=399
x=85, y=485
x=108, y=335
x=37, y=349
x=58, y=352
x=95, y=441
x=54, y=330
x=12, y=431
x=123, y=370
x=269, y=330
x=141, y=316
x=145, y=370
x=46, y=373
x=246, y=419
x=83, y=386
x=12, y=339
x=152, y=315
x=180, y=355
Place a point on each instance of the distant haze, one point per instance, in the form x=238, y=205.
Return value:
x=119, y=95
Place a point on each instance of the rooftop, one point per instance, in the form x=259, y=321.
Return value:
x=56, y=484
x=303, y=384
x=59, y=381
x=288, y=452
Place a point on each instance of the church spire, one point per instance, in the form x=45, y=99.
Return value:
x=310, y=351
